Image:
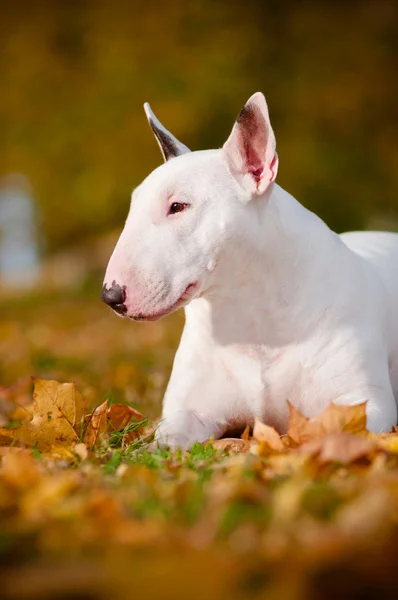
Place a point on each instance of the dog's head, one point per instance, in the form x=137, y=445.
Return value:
x=188, y=214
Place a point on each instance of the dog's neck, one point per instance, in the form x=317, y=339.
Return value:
x=268, y=290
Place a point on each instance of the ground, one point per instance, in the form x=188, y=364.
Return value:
x=98, y=512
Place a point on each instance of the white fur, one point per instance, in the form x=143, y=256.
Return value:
x=283, y=308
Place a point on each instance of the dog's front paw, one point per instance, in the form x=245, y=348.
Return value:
x=183, y=429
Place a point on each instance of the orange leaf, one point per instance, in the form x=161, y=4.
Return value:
x=301, y=429
x=267, y=436
x=95, y=425
x=245, y=435
x=120, y=415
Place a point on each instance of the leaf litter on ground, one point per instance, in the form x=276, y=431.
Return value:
x=323, y=499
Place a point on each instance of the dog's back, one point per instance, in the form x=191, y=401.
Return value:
x=381, y=250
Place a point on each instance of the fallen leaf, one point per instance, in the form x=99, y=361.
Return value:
x=95, y=425
x=19, y=470
x=245, y=435
x=335, y=418
x=267, y=436
x=20, y=413
x=58, y=409
x=388, y=442
x=301, y=429
x=62, y=453
x=64, y=396
x=4, y=450
x=234, y=445
x=49, y=494
x=120, y=415
x=339, y=447
x=81, y=450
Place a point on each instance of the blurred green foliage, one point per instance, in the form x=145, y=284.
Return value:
x=74, y=76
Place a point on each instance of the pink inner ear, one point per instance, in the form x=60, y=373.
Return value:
x=256, y=173
x=252, y=161
x=253, y=141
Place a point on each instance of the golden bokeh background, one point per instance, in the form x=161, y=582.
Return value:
x=74, y=76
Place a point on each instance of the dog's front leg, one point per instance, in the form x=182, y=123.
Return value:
x=196, y=402
x=185, y=427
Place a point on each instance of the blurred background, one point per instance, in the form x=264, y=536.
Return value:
x=74, y=141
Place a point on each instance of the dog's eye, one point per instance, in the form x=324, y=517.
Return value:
x=176, y=207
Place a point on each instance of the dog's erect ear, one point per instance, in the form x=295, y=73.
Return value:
x=168, y=144
x=250, y=149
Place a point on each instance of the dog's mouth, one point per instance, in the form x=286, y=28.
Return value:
x=185, y=297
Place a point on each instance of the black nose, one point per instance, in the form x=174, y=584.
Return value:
x=114, y=297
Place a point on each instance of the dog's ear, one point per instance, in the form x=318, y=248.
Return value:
x=250, y=149
x=168, y=144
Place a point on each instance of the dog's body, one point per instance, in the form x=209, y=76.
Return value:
x=280, y=307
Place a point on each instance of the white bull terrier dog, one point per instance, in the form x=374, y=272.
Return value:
x=278, y=307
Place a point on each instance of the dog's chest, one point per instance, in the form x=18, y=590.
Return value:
x=261, y=378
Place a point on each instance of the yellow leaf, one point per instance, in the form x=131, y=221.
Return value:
x=57, y=411
x=388, y=442
x=334, y=419
x=20, y=413
x=267, y=436
x=65, y=398
x=337, y=417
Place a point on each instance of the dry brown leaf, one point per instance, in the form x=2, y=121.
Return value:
x=339, y=447
x=267, y=436
x=120, y=415
x=58, y=410
x=235, y=445
x=95, y=425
